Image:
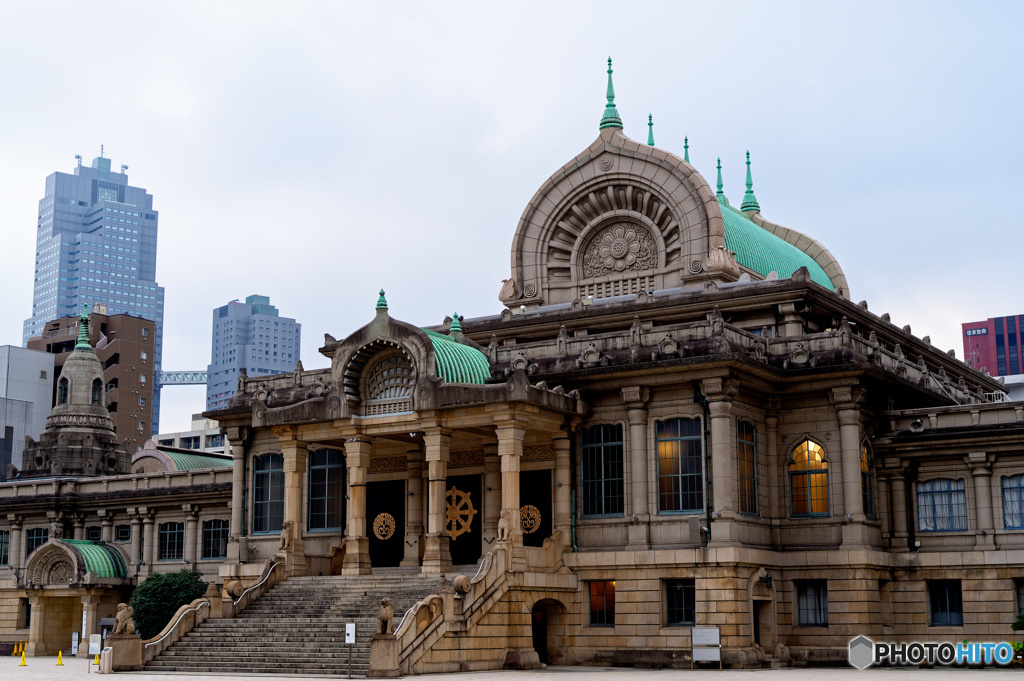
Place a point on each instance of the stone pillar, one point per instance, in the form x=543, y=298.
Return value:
x=295, y=454
x=191, y=512
x=492, y=495
x=981, y=471
x=436, y=556
x=37, y=626
x=776, y=487
x=78, y=527
x=634, y=398
x=898, y=504
x=235, y=438
x=106, y=526
x=719, y=393
x=414, y=509
x=148, y=542
x=136, y=541
x=357, y=547
x=90, y=608
x=510, y=449
x=563, y=484
x=846, y=401
x=16, y=559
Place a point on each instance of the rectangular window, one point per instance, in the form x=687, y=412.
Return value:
x=268, y=493
x=941, y=506
x=1000, y=348
x=681, y=602
x=1019, y=586
x=123, y=533
x=812, y=603
x=602, y=470
x=142, y=401
x=93, y=533
x=35, y=538
x=602, y=604
x=1013, y=508
x=5, y=543
x=746, y=438
x=142, y=378
x=947, y=606
x=172, y=541
x=326, y=489
x=680, y=464
x=1011, y=327
x=145, y=331
x=215, y=539
x=24, y=613
x=143, y=354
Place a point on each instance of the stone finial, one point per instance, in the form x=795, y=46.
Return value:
x=382, y=302
x=686, y=149
x=650, y=130
x=611, y=115
x=749, y=204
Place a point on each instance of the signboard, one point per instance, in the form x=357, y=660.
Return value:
x=705, y=636
x=976, y=332
x=83, y=624
x=707, y=654
x=74, y=643
x=95, y=643
x=350, y=633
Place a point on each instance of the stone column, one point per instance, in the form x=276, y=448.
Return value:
x=846, y=401
x=190, y=533
x=563, y=484
x=436, y=556
x=510, y=449
x=634, y=398
x=106, y=526
x=492, y=495
x=295, y=455
x=37, y=625
x=235, y=438
x=414, y=508
x=981, y=471
x=135, y=543
x=357, y=547
x=898, y=504
x=776, y=488
x=90, y=608
x=719, y=393
x=148, y=542
x=16, y=559
x=78, y=527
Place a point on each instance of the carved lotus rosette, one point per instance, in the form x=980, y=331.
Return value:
x=618, y=248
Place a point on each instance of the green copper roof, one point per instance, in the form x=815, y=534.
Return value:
x=98, y=558
x=760, y=250
x=83, y=330
x=749, y=200
x=184, y=462
x=458, y=363
x=611, y=115
x=650, y=130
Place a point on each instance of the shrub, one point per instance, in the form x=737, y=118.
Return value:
x=159, y=597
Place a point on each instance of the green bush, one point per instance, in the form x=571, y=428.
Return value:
x=157, y=599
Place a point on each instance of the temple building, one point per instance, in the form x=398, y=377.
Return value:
x=679, y=421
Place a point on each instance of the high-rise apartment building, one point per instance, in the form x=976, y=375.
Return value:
x=995, y=345
x=96, y=243
x=25, y=400
x=252, y=336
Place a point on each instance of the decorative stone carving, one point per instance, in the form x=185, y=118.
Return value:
x=460, y=512
x=529, y=518
x=562, y=342
x=504, y=526
x=508, y=291
x=384, y=526
x=619, y=248
x=466, y=457
x=721, y=259
x=385, y=617
x=388, y=464
x=124, y=624
x=538, y=452
x=61, y=572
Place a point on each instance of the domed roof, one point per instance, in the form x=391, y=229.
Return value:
x=81, y=390
x=458, y=363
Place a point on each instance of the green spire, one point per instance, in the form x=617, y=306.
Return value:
x=749, y=200
x=611, y=115
x=382, y=303
x=720, y=194
x=456, y=325
x=83, y=330
x=650, y=130
x=686, y=149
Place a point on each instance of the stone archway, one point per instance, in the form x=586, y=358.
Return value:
x=549, y=626
x=53, y=565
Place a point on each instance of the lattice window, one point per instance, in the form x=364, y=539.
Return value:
x=388, y=385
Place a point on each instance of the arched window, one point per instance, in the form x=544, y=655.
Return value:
x=268, y=493
x=680, y=466
x=808, y=480
x=326, y=490
x=62, y=391
x=867, y=481
x=1013, y=508
x=746, y=464
x=941, y=506
x=388, y=385
x=97, y=391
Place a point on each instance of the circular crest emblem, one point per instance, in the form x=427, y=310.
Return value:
x=529, y=516
x=384, y=526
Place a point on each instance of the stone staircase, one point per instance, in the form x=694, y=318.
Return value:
x=297, y=628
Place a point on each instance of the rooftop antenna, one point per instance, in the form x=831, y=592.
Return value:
x=123, y=168
x=101, y=151
x=78, y=157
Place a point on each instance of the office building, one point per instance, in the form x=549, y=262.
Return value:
x=250, y=336
x=96, y=242
x=204, y=435
x=25, y=400
x=995, y=345
x=125, y=346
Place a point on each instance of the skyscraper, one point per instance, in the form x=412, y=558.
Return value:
x=252, y=336
x=96, y=243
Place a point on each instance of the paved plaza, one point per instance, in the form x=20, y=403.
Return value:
x=45, y=669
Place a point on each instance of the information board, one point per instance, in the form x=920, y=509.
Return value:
x=350, y=633
x=95, y=643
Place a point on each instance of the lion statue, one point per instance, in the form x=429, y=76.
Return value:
x=385, y=617
x=505, y=526
x=123, y=620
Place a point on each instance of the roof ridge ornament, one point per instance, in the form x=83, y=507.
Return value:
x=83, y=330
x=456, y=326
x=720, y=194
x=382, y=303
x=611, y=115
x=650, y=130
x=686, y=149
x=749, y=204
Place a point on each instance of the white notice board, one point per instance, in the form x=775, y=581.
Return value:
x=350, y=633
x=705, y=636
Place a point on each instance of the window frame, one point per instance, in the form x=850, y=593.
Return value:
x=117, y=530
x=1017, y=490
x=215, y=537
x=93, y=533
x=687, y=588
x=607, y=602
x=943, y=590
x=97, y=391
x=63, y=390
x=5, y=547
x=171, y=541
x=816, y=590
x=931, y=493
x=42, y=535
x=603, y=452
x=680, y=456
x=810, y=474
x=265, y=511
x=329, y=495
x=742, y=465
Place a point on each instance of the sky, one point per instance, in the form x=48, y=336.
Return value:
x=316, y=152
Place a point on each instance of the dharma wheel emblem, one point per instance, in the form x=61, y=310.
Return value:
x=529, y=516
x=384, y=526
x=460, y=513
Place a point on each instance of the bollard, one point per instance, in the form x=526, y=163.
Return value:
x=60, y=658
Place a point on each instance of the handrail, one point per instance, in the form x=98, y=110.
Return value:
x=257, y=584
x=174, y=626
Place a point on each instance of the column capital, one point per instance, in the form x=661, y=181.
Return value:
x=635, y=396
x=15, y=520
x=236, y=434
x=191, y=510
x=847, y=397
x=979, y=462
x=719, y=388
x=286, y=434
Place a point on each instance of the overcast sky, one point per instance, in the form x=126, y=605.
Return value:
x=316, y=152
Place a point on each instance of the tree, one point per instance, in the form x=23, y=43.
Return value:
x=159, y=597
